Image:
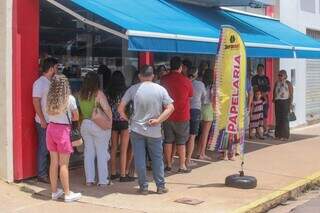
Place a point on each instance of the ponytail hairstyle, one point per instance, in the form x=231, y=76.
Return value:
x=192, y=72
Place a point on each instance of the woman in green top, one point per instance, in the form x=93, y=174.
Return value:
x=96, y=140
x=207, y=115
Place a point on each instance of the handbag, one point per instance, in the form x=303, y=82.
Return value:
x=100, y=118
x=75, y=135
x=292, y=116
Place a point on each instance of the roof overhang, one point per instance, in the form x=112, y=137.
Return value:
x=146, y=30
x=218, y=3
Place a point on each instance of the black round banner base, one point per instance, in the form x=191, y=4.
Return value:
x=241, y=181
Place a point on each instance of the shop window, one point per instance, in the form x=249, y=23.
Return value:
x=81, y=48
x=308, y=5
x=164, y=59
x=314, y=34
x=252, y=64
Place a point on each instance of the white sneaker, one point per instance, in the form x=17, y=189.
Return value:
x=56, y=195
x=72, y=197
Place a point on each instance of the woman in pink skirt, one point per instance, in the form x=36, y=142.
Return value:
x=61, y=106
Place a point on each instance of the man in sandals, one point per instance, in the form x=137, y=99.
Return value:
x=152, y=106
x=176, y=129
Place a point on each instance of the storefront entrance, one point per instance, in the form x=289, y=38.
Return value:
x=42, y=30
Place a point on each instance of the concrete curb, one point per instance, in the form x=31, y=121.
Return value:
x=281, y=195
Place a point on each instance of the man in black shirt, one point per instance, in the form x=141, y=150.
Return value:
x=262, y=82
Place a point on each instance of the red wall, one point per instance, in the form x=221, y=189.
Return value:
x=145, y=58
x=25, y=71
x=270, y=73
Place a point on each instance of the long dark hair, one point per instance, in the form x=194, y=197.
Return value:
x=106, y=75
x=90, y=86
x=208, y=78
x=203, y=66
x=117, y=86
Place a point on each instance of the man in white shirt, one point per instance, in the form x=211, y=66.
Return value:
x=39, y=97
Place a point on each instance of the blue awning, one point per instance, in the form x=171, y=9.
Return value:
x=304, y=46
x=166, y=26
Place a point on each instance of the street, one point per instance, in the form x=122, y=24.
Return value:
x=306, y=203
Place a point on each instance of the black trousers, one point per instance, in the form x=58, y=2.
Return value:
x=282, y=108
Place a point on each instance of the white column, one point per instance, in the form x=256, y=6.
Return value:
x=6, y=115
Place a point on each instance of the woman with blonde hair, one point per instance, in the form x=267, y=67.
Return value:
x=96, y=139
x=61, y=107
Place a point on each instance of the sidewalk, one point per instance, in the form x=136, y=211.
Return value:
x=275, y=164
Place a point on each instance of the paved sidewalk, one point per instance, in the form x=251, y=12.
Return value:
x=15, y=198
x=275, y=164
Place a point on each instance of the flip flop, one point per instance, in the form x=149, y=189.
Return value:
x=206, y=158
x=192, y=163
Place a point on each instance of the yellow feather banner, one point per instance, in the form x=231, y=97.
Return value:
x=230, y=75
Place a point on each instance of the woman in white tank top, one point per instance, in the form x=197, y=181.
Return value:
x=282, y=98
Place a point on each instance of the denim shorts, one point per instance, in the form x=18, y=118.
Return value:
x=195, y=119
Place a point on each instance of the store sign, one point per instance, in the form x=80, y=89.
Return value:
x=234, y=103
x=230, y=73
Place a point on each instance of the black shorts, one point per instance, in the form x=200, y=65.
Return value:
x=120, y=125
x=195, y=120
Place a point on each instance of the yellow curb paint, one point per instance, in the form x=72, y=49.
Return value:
x=278, y=193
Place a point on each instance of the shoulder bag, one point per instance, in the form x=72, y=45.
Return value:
x=100, y=118
x=75, y=135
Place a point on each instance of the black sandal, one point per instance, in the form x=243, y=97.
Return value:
x=167, y=169
x=184, y=171
x=113, y=177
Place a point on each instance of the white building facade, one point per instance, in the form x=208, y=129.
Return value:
x=304, y=16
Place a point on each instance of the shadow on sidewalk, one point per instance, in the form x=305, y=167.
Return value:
x=215, y=185
x=77, y=184
x=255, y=145
x=77, y=176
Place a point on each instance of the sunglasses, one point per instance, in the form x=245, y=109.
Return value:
x=280, y=75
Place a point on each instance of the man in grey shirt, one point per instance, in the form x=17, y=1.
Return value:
x=196, y=101
x=152, y=105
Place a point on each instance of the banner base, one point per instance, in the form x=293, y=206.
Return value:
x=241, y=181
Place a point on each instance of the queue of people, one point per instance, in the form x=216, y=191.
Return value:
x=163, y=114
x=259, y=105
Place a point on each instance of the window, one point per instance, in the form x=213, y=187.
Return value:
x=308, y=5
x=314, y=34
x=81, y=48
